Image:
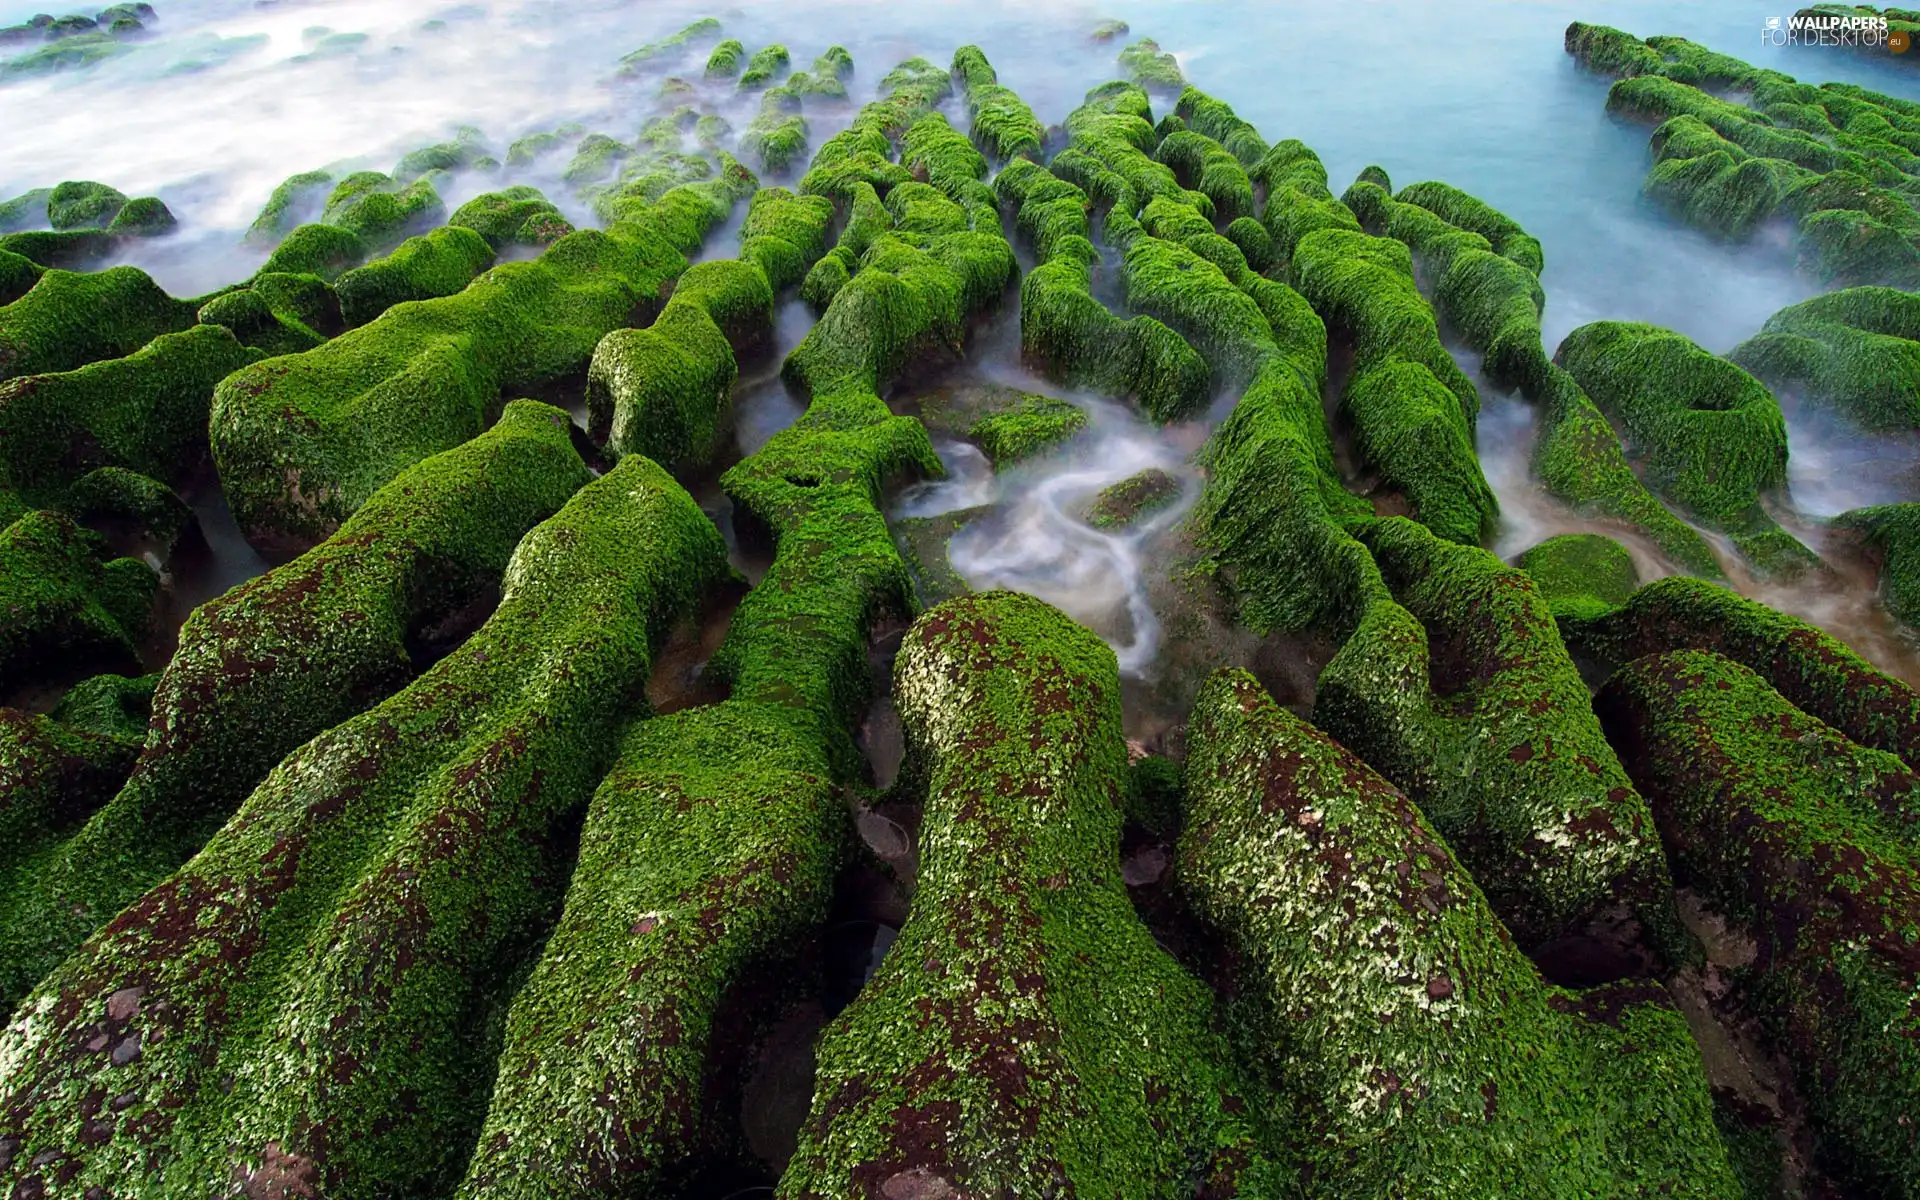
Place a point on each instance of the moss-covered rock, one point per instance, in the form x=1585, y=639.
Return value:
x=53, y=776
x=82, y=204
x=768, y=66
x=1581, y=575
x=28, y=210
x=1805, y=842
x=923, y=542
x=1893, y=531
x=1002, y=125
x=18, y=274
x=302, y=441
x=436, y=264
x=1855, y=351
x=1413, y=410
x=1712, y=435
x=146, y=412
x=671, y=47
x=1204, y=114
x=1815, y=671
x=1151, y=67
x=277, y=313
x=514, y=216
x=1208, y=167
x=1029, y=425
x=298, y=199
x=69, y=319
x=727, y=60
x=1012, y=717
x=285, y=655
x=62, y=602
x=1411, y=1049
x=380, y=210
x=776, y=139
x=1133, y=499
x=143, y=216
x=463, y=153
x=320, y=250
x=366, y=907
x=1467, y=699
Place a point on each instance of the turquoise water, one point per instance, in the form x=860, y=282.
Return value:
x=219, y=107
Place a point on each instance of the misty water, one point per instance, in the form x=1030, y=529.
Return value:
x=229, y=97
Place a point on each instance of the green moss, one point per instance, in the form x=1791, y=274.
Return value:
x=1458, y=208
x=1855, y=351
x=321, y=250
x=1815, y=671
x=1298, y=202
x=302, y=441
x=1610, y=51
x=1712, y=436
x=68, y=320
x=110, y=706
x=380, y=211
x=63, y=602
x=68, y=54
x=1849, y=248
x=1147, y=65
x=1893, y=530
x=83, y=205
x=1804, y=841
x=769, y=65
x=1133, y=499
x=671, y=47
x=440, y=263
x=1581, y=575
x=514, y=216
x=595, y=159
x=1013, y=722
x=146, y=412
x=52, y=776
x=1467, y=699
x=1030, y=425
x=1412, y=408
x=144, y=216
x=122, y=498
x=1410, y=1048
x=1204, y=114
x=776, y=139
x=28, y=210
x=366, y=907
x=728, y=59
x=67, y=249
x=277, y=313
x=463, y=153
x=1002, y=125
x=1206, y=166
x=527, y=151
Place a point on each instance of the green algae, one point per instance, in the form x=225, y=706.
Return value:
x=727, y=60
x=1149, y=66
x=320, y=250
x=1217, y=120
x=324, y=1013
x=436, y=264
x=297, y=199
x=1031, y=425
x=142, y=216
x=671, y=47
x=1893, y=531
x=1855, y=351
x=28, y=210
x=768, y=66
x=285, y=655
x=1712, y=436
x=380, y=210
x=146, y=412
x=82, y=204
x=1581, y=575
x=1001, y=123
x=1805, y=842
x=1209, y=168
x=1464, y=695
x=466, y=152
x=301, y=441
x=1815, y=671
x=666, y=391
x=1133, y=499
x=277, y=313
x=64, y=602
x=68, y=319
x=1020, y=935
x=1409, y=1047
x=922, y=543
x=53, y=775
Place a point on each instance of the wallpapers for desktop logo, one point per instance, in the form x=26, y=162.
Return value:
x=1832, y=29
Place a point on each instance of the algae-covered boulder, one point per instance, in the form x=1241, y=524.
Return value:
x=1151, y=67
x=69, y=319
x=1805, y=842
x=146, y=412
x=380, y=211
x=768, y=66
x=321, y=250
x=322, y=1012
x=1024, y=425
x=285, y=655
x=302, y=441
x=1413, y=410
x=1464, y=695
x=515, y=216
x=18, y=273
x=1711, y=435
x=63, y=603
x=1002, y=125
x=277, y=313
x=1013, y=727
x=1133, y=499
x=1893, y=531
x=1814, y=670
x=1581, y=575
x=1411, y=1049
x=143, y=216
x=83, y=205
x=1855, y=351
x=28, y=210
x=436, y=264
x=298, y=199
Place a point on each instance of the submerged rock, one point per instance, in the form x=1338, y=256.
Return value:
x=1132, y=499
